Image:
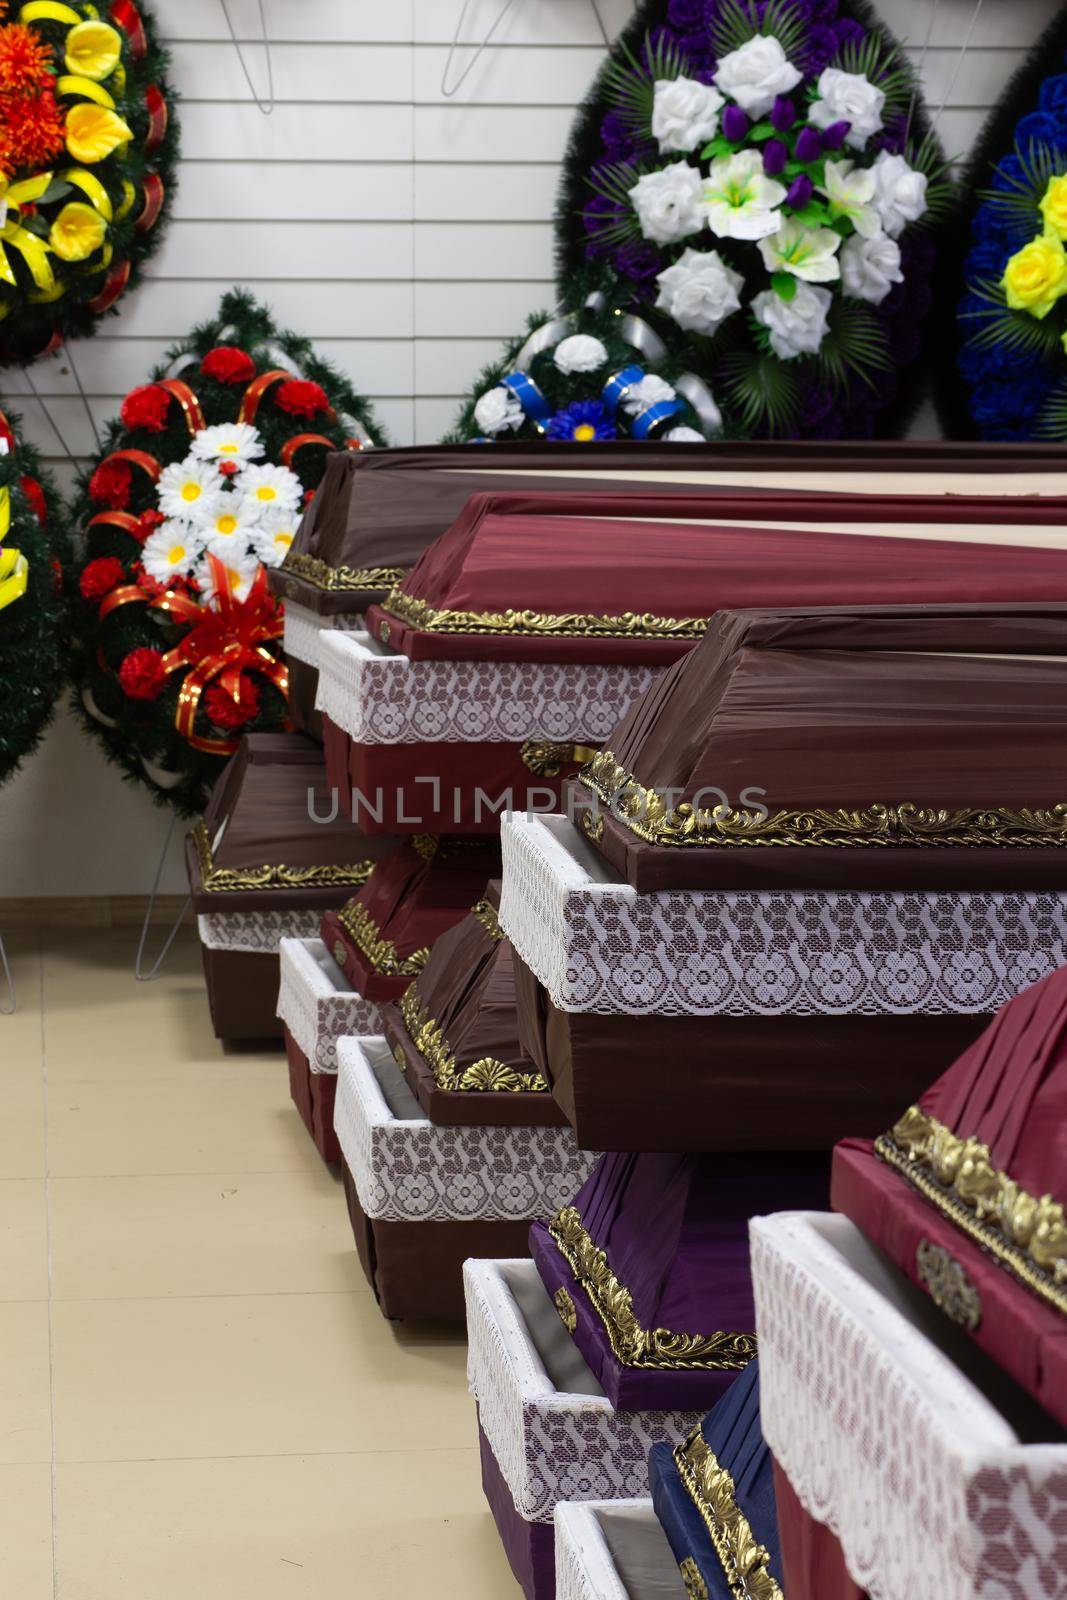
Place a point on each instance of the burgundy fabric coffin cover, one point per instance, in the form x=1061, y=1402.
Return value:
x=465, y=997
x=730, y=1083
x=844, y=710
x=966, y=1191
x=376, y=511
x=673, y=1230
x=313, y=1094
x=242, y=993
x=380, y=938
x=813, y=1563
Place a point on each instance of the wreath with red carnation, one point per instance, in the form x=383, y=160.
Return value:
x=33, y=610
x=198, y=491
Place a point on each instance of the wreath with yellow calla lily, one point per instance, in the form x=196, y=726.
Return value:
x=87, y=149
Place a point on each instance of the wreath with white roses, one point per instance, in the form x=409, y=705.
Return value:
x=761, y=178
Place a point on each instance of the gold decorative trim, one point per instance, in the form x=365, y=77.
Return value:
x=655, y=1348
x=272, y=875
x=487, y=1074
x=313, y=570
x=645, y=813
x=593, y=825
x=1024, y=1234
x=948, y=1285
x=565, y=1306
x=425, y=844
x=745, y=1562
x=583, y=625
x=380, y=953
x=692, y=1582
x=546, y=758
x=485, y=915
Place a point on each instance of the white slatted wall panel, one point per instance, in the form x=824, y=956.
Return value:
x=409, y=234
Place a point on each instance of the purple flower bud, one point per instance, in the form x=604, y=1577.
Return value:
x=809, y=145
x=775, y=156
x=835, y=135
x=734, y=124
x=783, y=113
x=800, y=192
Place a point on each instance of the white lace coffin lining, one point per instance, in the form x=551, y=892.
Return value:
x=882, y=1437
x=550, y=1444
x=255, y=931
x=598, y=945
x=303, y=629
x=586, y=1568
x=317, y=1004
x=379, y=698
x=409, y=1169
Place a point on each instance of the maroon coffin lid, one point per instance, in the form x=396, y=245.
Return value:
x=257, y=846
x=377, y=510
x=966, y=1191
x=915, y=747
x=454, y=1032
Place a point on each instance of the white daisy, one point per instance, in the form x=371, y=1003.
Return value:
x=230, y=441
x=172, y=550
x=273, y=536
x=228, y=523
x=188, y=488
x=239, y=572
x=271, y=488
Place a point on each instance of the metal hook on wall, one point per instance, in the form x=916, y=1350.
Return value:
x=448, y=90
x=266, y=106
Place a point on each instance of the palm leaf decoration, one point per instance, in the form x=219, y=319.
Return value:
x=1052, y=423
x=630, y=82
x=739, y=21
x=882, y=64
x=1000, y=325
x=855, y=347
x=762, y=392
x=1039, y=163
x=613, y=182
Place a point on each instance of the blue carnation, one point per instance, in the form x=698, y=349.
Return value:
x=1038, y=128
x=1053, y=98
x=1008, y=175
x=582, y=421
x=986, y=259
x=1006, y=408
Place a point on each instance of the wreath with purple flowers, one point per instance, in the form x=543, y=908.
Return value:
x=1008, y=379
x=759, y=178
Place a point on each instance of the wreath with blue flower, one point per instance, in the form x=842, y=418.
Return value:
x=759, y=177
x=1008, y=379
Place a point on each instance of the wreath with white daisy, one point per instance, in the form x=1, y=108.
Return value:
x=199, y=490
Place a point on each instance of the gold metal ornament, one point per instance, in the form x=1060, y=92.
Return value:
x=546, y=758
x=380, y=953
x=485, y=1075
x=692, y=1582
x=272, y=875
x=421, y=614
x=745, y=1562
x=948, y=1285
x=323, y=576
x=565, y=1306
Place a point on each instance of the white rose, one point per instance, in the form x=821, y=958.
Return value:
x=899, y=193
x=685, y=114
x=700, y=291
x=498, y=410
x=756, y=74
x=870, y=267
x=684, y=436
x=648, y=391
x=797, y=327
x=668, y=203
x=848, y=97
x=580, y=353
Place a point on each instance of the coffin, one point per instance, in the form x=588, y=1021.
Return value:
x=966, y=1190
x=316, y=1007
x=648, y=1268
x=300, y=640
x=941, y=1479
x=932, y=754
x=547, y=1432
x=260, y=870
x=381, y=937
x=454, y=1031
x=613, y=1550
x=423, y=1198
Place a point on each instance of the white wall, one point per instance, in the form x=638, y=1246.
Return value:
x=407, y=233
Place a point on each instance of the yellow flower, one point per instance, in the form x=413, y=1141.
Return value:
x=77, y=231
x=93, y=132
x=1053, y=207
x=1036, y=277
x=93, y=49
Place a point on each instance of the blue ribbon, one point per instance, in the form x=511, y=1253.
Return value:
x=528, y=395
x=617, y=386
x=643, y=425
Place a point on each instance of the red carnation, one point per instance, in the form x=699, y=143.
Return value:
x=228, y=363
x=100, y=577
x=35, y=495
x=224, y=710
x=148, y=522
x=110, y=484
x=142, y=674
x=146, y=408
x=301, y=399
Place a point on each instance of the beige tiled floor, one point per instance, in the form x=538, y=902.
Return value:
x=198, y=1395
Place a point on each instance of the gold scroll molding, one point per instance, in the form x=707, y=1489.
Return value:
x=546, y=758
x=645, y=813
x=323, y=576
x=272, y=875
x=546, y=624
x=692, y=1582
x=380, y=953
x=487, y=1074
x=634, y=1346
x=565, y=1306
x=485, y=915
x=1024, y=1234
x=948, y=1286
x=745, y=1562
